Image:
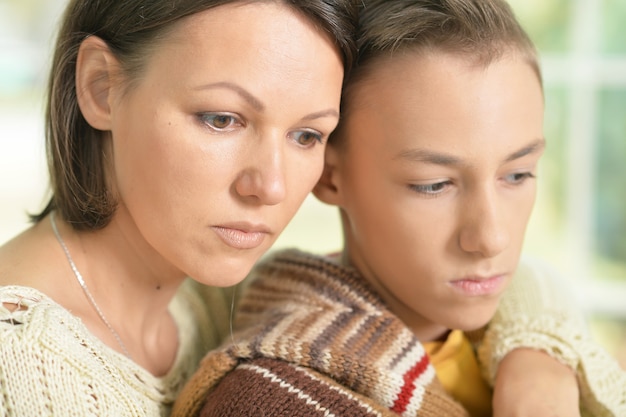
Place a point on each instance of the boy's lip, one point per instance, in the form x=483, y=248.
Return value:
x=477, y=285
x=242, y=235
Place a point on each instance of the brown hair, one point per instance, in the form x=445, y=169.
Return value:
x=482, y=30
x=131, y=29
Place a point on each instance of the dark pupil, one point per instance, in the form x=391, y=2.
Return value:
x=221, y=121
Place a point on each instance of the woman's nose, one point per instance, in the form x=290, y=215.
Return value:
x=263, y=178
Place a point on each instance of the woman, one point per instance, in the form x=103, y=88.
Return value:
x=182, y=137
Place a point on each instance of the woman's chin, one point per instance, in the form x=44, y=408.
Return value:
x=226, y=274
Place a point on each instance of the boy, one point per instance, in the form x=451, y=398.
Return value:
x=433, y=169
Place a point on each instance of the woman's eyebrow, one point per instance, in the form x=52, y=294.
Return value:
x=242, y=92
x=257, y=104
x=324, y=113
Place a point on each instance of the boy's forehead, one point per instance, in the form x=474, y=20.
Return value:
x=391, y=69
x=427, y=96
x=387, y=75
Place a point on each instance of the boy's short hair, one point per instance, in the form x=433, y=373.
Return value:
x=481, y=30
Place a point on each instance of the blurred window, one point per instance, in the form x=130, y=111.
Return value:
x=580, y=220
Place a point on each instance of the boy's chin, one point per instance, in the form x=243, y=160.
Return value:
x=474, y=318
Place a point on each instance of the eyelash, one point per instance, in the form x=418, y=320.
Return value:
x=520, y=177
x=427, y=189
x=435, y=189
x=319, y=138
x=208, y=120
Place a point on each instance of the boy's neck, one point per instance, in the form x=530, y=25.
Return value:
x=424, y=332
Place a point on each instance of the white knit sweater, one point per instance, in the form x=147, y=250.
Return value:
x=538, y=311
x=51, y=365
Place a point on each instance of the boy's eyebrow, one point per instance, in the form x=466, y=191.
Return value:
x=439, y=158
x=429, y=157
x=534, y=147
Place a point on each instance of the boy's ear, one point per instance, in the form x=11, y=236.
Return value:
x=328, y=188
x=95, y=70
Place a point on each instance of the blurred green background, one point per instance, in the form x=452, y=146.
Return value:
x=579, y=224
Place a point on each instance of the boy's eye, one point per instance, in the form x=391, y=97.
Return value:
x=218, y=121
x=518, y=177
x=430, y=189
x=307, y=138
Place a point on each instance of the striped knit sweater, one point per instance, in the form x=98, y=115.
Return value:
x=312, y=338
x=316, y=341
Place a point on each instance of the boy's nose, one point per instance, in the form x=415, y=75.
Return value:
x=484, y=229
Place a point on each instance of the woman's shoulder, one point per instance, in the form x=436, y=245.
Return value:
x=33, y=325
x=28, y=315
x=51, y=363
x=36, y=332
x=19, y=305
x=30, y=259
x=30, y=296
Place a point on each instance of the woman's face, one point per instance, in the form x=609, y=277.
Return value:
x=222, y=137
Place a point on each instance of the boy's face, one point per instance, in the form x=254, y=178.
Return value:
x=437, y=181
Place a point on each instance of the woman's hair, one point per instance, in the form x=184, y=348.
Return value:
x=131, y=29
x=480, y=30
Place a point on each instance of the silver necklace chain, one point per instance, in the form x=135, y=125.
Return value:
x=83, y=285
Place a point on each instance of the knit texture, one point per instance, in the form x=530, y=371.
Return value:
x=51, y=365
x=312, y=339
x=537, y=312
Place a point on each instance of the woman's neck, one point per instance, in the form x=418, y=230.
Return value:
x=127, y=289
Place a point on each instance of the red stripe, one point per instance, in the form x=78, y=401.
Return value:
x=406, y=393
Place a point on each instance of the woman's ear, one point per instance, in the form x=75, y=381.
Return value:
x=95, y=70
x=328, y=188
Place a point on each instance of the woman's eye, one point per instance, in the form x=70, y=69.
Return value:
x=307, y=138
x=518, y=177
x=219, y=121
x=430, y=189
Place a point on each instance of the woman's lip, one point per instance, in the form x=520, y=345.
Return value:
x=241, y=237
x=479, y=286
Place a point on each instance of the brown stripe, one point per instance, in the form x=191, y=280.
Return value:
x=275, y=388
